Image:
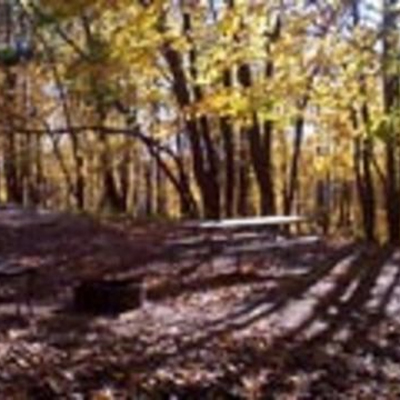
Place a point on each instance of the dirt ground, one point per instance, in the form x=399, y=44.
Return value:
x=312, y=320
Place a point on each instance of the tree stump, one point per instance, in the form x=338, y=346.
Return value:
x=107, y=296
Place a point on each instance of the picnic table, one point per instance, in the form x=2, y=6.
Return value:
x=216, y=235
x=278, y=221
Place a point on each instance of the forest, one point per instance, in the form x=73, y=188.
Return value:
x=127, y=126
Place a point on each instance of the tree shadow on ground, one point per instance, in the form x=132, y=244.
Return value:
x=334, y=310
x=341, y=319
x=346, y=315
x=252, y=309
x=290, y=289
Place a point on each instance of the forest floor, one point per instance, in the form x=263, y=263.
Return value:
x=308, y=321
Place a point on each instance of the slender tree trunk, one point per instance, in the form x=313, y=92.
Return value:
x=294, y=167
x=365, y=186
x=243, y=201
x=260, y=151
x=111, y=197
x=228, y=149
x=123, y=174
x=188, y=204
x=270, y=201
x=230, y=175
x=12, y=166
x=149, y=185
x=39, y=176
x=161, y=200
x=293, y=181
x=12, y=175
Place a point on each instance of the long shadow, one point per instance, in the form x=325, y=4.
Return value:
x=259, y=309
x=371, y=317
x=292, y=290
x=387, y=296
x=288, y=291
x=305, y=354
x=312, y=354
x=363, y=272
x=355, y=304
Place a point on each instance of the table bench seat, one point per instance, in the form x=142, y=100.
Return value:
x=232, y=236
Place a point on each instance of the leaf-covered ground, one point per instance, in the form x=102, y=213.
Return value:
x=305, y=321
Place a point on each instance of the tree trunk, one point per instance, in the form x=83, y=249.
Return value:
x=230, y=174
x=260, y=151
x=243, y=201
x=123, y=173
x=11, y=170
x=365, y=186
x=111, y=197
x=204, y=157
